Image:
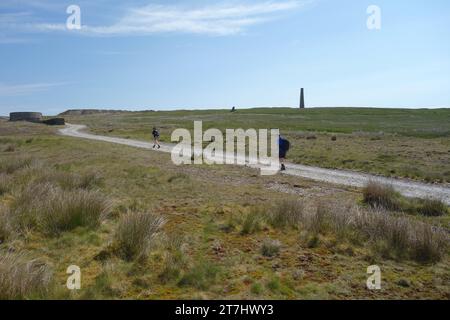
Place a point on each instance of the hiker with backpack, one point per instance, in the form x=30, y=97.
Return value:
x=155, y=134
x=284, y=146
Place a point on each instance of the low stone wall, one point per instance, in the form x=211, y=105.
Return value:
x=25, y=116
x=55, y=122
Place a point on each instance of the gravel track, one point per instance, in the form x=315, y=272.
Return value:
x=340, y=177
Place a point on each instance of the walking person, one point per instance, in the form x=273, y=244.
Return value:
x=155, y=134
x=284, y=146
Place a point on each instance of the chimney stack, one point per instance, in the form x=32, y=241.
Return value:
x=302, y=99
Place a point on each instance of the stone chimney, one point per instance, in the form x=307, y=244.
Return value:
x=302, y=99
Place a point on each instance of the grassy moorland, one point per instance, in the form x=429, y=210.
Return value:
x=140, y=227
x=404, y=143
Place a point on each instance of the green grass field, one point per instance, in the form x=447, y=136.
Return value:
x=228, y=232
x=391, y=142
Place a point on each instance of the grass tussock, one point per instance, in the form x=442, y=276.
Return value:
x=320, y=220
x=379, y=195
x=398, y=237
x=178, y=270
x=26, y=171
x=178, y=177
x=256, y=288
x=66, y=210
x=5, y=183
x=135, y=234
x=286, y=213
x=10, y=148
x=391, y=236
x=103, y=286
x=22, y=277
x=428, y=245
x=53, y=210
x=66, y=180
x=270, y=248
x=11, y=165
x=25, y=208
x=50, y=200
x=252, y=221
x=201, y=276
x=6, y=229
x=175, y=259
x=432, y=208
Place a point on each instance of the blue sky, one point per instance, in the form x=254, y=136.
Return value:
x=146, y=54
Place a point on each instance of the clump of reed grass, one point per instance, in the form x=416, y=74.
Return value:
x=136, y=234
x=22, y=277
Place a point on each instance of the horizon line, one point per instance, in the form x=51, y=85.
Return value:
x=228, y=108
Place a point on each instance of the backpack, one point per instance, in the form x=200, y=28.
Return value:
x=285, y=144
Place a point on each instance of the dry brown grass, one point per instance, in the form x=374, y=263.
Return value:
x=6, y=229
x=51, y=200
x=135, y=234
x=175, y=259
x=432, y=208
x=377, y=225
x=22, y=277
x=286, y=213
x=378, y=195
x=12, y=164
x=29, y=170
x=5, y=183
x=270, y=248
x=318, y=221
x=90, y=180
x=54, y=210
x=400, y=237
x=393, y=236
x=10, y=148
x=252, y=221
x=69, y=181
x=66, y=210
x=384, y=196
x=201, y=276
x=428, y=244
x=25, y=208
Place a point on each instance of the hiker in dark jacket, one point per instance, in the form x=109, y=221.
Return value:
x=155, y=134
x=284, y=146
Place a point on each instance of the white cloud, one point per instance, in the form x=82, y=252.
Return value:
x=225, y=19
x=25, y=89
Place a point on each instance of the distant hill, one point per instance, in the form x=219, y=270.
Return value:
x=79, y=112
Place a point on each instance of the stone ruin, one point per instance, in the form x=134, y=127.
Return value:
x=55, y=122
x=35, y=117
x=26, y=116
